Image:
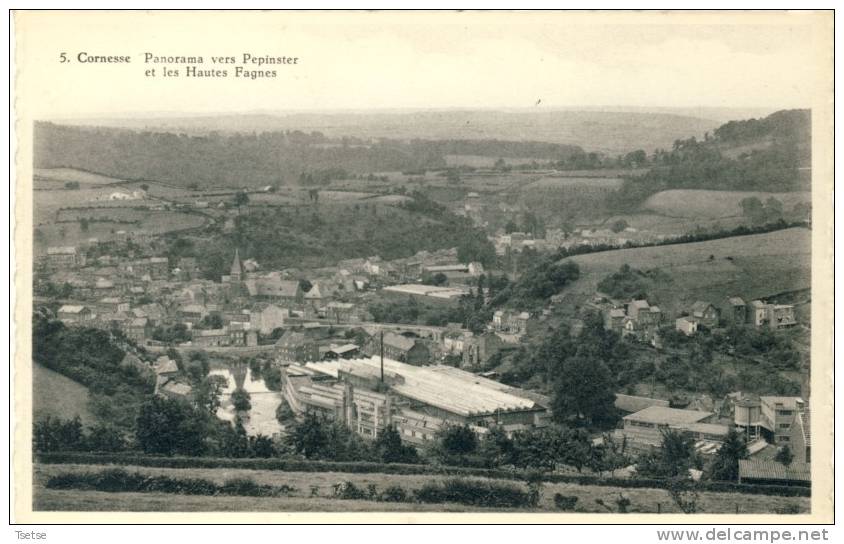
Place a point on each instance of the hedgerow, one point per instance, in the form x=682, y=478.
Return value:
x=119, y=480
x=300, y=465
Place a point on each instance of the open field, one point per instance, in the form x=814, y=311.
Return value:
x=110, y=220
x=713, y=204
x=58, y=396
x=753, y=266
x=555, y=182
x=481, y=161
x=642, y=500
x=65, y=175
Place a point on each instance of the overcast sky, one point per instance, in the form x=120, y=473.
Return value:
x=414, y=60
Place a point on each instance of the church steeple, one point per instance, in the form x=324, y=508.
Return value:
x=236, y=267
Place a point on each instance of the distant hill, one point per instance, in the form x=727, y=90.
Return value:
x=251, y=160
x=772, y=154
x=611, y=132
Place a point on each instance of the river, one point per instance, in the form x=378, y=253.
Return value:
x=261, y=418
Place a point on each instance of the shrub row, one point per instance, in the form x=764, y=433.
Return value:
x=119, y=480
x=476, y=493
x=455, y=490
x=300, y=465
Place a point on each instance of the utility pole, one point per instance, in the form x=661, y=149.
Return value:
x=382, y=356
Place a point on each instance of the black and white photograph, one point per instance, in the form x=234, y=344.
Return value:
x=564, y=264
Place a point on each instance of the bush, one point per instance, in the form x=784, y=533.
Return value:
x=563, y=502
x=473, y=493
x=119, y=480
x=394, y=493
x=349, y=491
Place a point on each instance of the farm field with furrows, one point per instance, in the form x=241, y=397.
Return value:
x=754, y=266
x=642, y=500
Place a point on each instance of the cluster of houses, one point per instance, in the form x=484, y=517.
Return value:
x=516, y=242
x=757, y=313
x=640, y=319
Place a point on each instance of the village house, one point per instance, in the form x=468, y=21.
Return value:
x=166, y=370
x=59, y=258
x=208, y=338
x=112, y=305
x=153, y=311
x=192, y=313
x=614, y=319
x=644, y=314
x=188, y=268
x=237, y=333
x=479, y=348
x=777, y=417
x=314, y=296
x=705, y=314
x=159, y=267
x=295, y=346
x=686, y=325
x=273, y=287
x=774, y=316
x=457, y=272
x=454, y=341
x=137, y=329
x=265, y=317
x=71, y=314
x=242, y=317
x=514, y=323
x=346, y=351
x=781, y=316
x=736, y=311
x=342, y=312
x=399, y=348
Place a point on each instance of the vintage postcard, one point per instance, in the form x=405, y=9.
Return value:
x=474, y=267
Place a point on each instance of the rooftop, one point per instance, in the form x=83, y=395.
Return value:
x=772, y=470
x=788, y=403
x=630, y=403
x=668, y=416
x=444, y=387
x=71, y=309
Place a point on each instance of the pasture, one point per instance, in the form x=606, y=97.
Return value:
x=754, y=266
x=64, y=175
x=481, y=161
x=703, y=204
x=58, y=396
x=562, y=182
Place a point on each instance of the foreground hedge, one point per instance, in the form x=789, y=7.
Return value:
x=302, y=465
x=475, y=493
x=119, y=480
